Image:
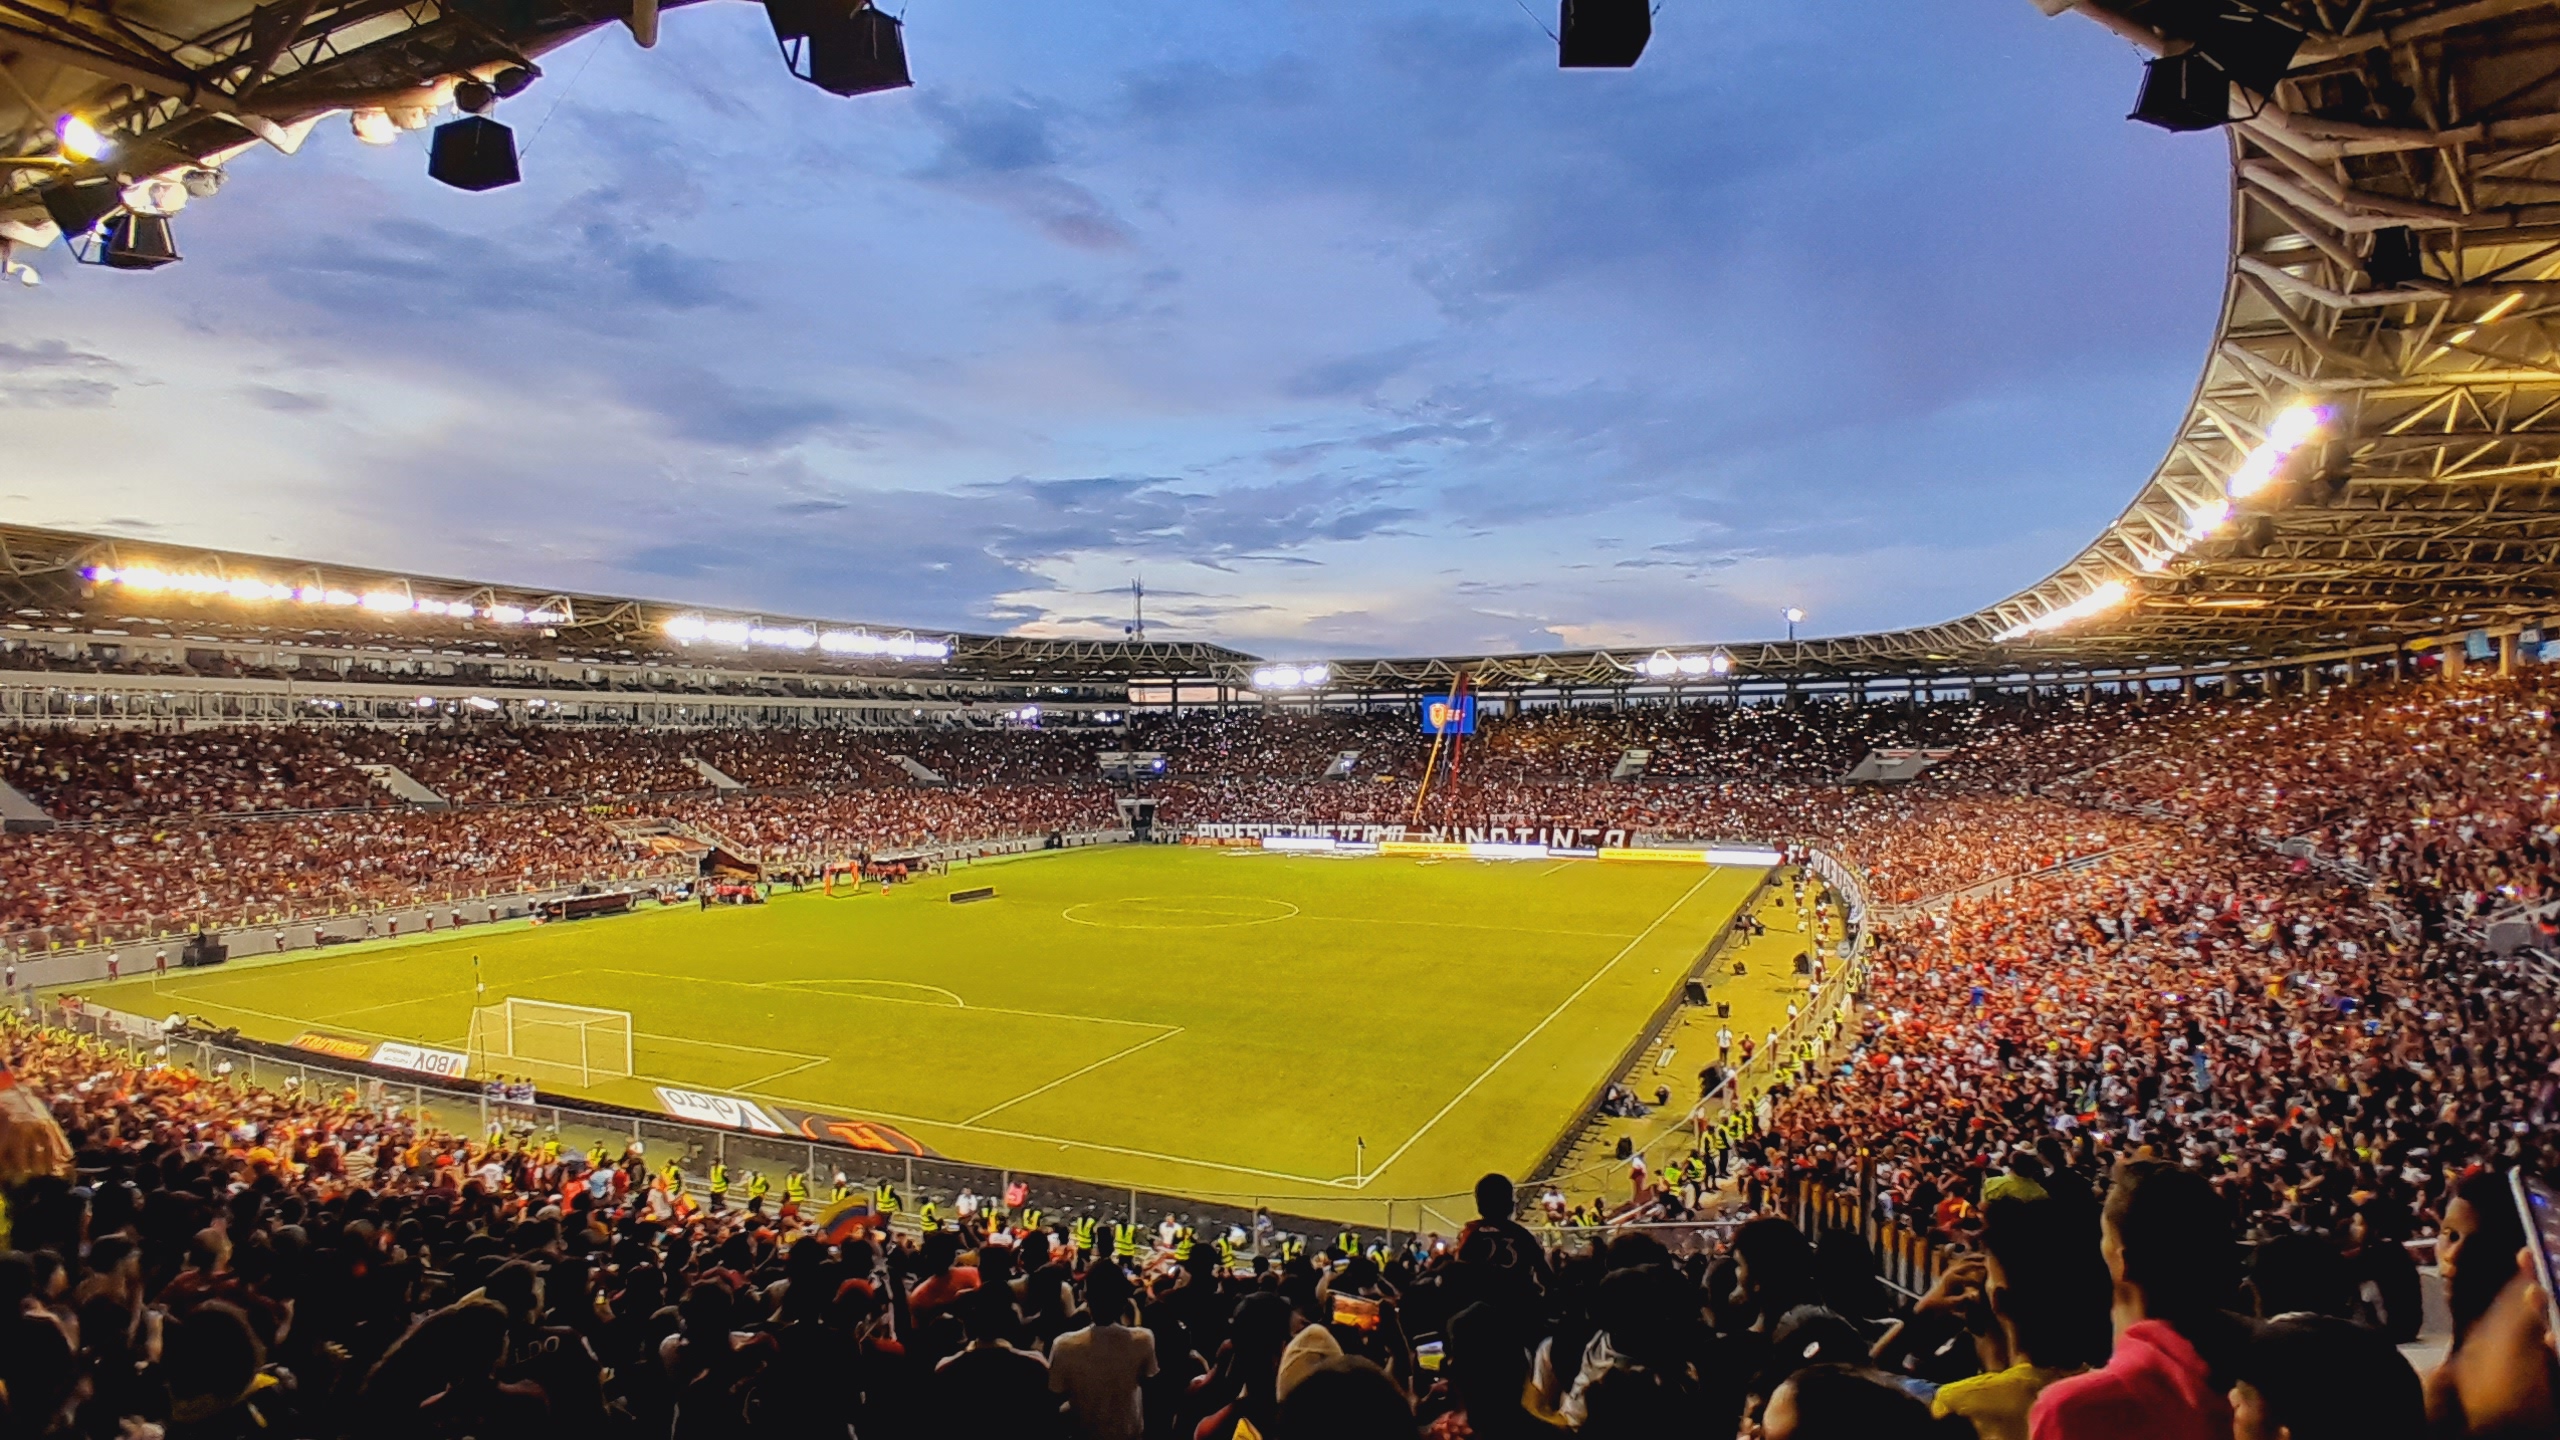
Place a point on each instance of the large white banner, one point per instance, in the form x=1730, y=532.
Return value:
x=725, y=1111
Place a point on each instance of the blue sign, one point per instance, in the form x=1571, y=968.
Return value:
x=1448, y=715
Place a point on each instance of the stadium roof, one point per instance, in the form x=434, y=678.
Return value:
x=57, y=575
x=2369, y=455
x=180, y=86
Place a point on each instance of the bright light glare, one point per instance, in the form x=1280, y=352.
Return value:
x=148, y=580
x=1663, y=665
x=1291, y=677
x=691, y=629
x=373, y=127
x=2105, y=597
x=80, y=140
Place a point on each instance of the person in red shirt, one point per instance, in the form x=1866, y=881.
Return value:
x=2167, y=1242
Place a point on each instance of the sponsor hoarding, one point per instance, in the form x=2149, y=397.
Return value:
x=725, y=1111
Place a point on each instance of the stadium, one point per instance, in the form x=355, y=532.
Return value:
x=446, y=1005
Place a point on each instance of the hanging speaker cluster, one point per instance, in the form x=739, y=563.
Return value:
x=101, y=225
x=476, y=152
x=1602, y=34
x=2230, y=43
x=844, y=47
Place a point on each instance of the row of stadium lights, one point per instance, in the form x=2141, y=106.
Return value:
x=743, y=634
x=684, y=629
x=148, y=580
x=2294, y=428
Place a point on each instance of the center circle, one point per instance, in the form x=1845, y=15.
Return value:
x=1180, y=912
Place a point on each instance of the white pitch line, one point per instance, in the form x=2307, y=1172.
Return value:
x=727, y=1045
x=783, y=1074
x=823, y=1106
x=1074, y=1075
x=1535, y=1031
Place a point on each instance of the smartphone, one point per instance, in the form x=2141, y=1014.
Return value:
x=1427, y=1355
x=2540, y=1210
x=1356, y=1312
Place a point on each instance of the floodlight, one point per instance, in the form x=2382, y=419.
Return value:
x=373, y=127
x=79, y=139
x=1794, y=615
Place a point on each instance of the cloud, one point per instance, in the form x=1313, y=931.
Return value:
x=51, y=375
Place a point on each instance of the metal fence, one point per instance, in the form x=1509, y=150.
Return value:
x=462, y=1107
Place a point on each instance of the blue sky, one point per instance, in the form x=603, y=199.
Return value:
x=1353, y=326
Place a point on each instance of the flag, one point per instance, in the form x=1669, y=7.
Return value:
x=838, y=1222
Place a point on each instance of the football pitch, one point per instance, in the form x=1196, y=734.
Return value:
x=1216, y=1023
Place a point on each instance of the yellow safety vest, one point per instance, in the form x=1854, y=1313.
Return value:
x=1084, y=1233
x=719, y=1179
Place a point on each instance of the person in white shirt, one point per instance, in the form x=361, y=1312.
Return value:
x=1099, y=1368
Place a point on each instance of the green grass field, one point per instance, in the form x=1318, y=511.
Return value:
x=1205, y=1022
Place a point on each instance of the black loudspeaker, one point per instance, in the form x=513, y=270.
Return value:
x=139, y=242
x=204, y=950
x=474, y=153
x=2183, y=92
x=855, y=54
x=2251, y=537
x=1602, y=34
x=1724, y=1009
x=1694, y=993
x=2395, y=260
x=77, y=206
x=2252, y=47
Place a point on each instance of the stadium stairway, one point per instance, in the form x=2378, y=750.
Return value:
x=20, y=815
x=1591, y=1170
x=714, y=776
x=403, y=785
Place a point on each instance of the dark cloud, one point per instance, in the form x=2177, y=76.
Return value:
x=283, y=401
x=1140, y=515
x=51, y=375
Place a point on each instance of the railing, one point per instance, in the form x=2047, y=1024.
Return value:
x=1906, y=1260
x=463, y=1108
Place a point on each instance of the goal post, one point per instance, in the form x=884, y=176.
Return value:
x=548, y=1040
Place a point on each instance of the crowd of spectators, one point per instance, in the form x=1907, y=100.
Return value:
x=2179, y=1111
x=121, y=774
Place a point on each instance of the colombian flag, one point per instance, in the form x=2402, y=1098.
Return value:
x=839, y=1221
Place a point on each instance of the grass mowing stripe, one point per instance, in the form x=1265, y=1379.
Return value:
x=1535, y=1030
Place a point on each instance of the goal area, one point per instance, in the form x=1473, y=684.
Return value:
x=547, y=1040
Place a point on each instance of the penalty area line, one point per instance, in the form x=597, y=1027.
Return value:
x=1063, y=1144
x=1034, y=1094
x=1534, y=1031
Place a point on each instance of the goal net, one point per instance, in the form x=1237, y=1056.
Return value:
x=546, y=1040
